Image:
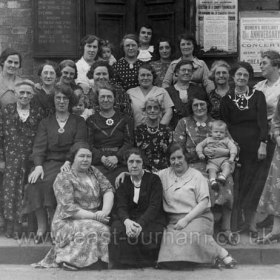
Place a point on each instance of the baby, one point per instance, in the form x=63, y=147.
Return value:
x=106, y=52
x=222, y=164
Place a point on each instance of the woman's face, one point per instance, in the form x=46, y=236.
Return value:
x=186, y=47
x=199, y=108
x=241, y=77
x=48, y=75
x=135, y=165
x=164, y=50
x=106, y=99
x=11, y=64
x=178, y=161
x=61, y=102
x=267, y=68
x=152, y=110
x=82, y=160
x=221, y=75
x=130, y=48
x=67, y=75
x=101, y=74
x=90, y=51
x=145, y=78
x=145, y=35
x=24, y=94
x=184, y=74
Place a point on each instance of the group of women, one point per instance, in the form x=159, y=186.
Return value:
x=106, y=155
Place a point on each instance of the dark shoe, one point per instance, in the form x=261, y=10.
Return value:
x=227, y=262
x=267, y=222
x=214, y=185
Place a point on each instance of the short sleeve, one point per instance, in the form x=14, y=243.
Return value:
x=105, y=185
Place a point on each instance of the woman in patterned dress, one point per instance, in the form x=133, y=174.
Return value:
x=152, y=137
x=80, y=225
x=18, y=126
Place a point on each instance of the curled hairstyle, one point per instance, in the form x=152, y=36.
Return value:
x=88, y=39
x=154, y=100
x=107, y=44
x=49, y=63
x=100, y=63
x=24, y=82
x=200, y=95
x=274, y=57
x=150, y=68
x=75, y=149
x=161, y=40
x=245, y=65
x=69, y=63
x=188, y=37
x=173, y=147
x=6, y=53
x=131, y=37
x=181, y=63
x=215, y=65
x=107, y=86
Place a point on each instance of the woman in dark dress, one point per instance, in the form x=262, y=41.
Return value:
x=139, y=220
x=110, y=134
x=56, y=134
x=244, y=111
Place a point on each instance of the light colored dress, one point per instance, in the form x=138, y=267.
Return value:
x=78, y=242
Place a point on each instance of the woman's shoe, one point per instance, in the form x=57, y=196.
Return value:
x=227, y=262
x=268, y=239
x=69, y=267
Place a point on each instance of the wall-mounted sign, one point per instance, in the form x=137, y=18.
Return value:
x=217, y=25
x=259, y=31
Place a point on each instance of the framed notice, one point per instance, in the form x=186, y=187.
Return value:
x=259, y=31
x=57, y=28
x=216, y=22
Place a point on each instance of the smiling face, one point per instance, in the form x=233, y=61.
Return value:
x=186, y=47
x=152, y=110
x=67, y=75
x=90, y=51
x=164, y=50
x=145, y=78
x=61, y=102
x=178, y=162
x=24, y=94
x=48, y=75
x=241, y=77
x=184, y=74
x=82, y=160
x=101, y=74
x=135, y=165
x=11, y=64
x=199, y=108
x=106, y=99
x=267, y=68
x=221, y=75
x=130, y=48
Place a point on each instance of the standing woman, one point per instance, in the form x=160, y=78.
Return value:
x=126, y=68
x=244, y=111
x=145, y=90
x=91, y=50
x=188, y=46
x=56, y=134
x=145, y=49
x=163, y=54
x=219, y=74
x=10, y=62
x=18, y=126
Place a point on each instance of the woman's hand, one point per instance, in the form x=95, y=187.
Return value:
x=35, y=174
x=120, y=179
x=112, y=162
x=262, y=151
x=101, y=217
x=182, y=223
x=65, y=167
x=2, y=166
x=201, y=156
x=133, y=229
x=218, y=152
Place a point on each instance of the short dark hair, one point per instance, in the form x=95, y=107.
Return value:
x=188, y=37
x=6, y=53
x=88, y=39
x=156, y=51
x=105, y=85
x=173, y=147
x=200, y=95
x=245, y=65
x=69, y=63
x=136, y=151
x=181, y=63
x=100, y=63
x=50, y=63
x=75, y=149
x=146, y=25
x=150, y=68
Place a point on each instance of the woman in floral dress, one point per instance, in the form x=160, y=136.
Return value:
x=18, y=126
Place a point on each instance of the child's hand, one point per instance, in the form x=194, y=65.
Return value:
x=201, y=156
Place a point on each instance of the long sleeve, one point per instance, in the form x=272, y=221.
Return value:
x=200, y=146
x=224, y=110
x=180, y=133
x=168, y=78
x=232, y=147
x=262, y=117
x=122, y=204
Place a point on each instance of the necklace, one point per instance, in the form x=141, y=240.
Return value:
x=152, y=130
x=241, y=99
x=61, y=122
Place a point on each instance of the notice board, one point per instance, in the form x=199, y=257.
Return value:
x=56, y=28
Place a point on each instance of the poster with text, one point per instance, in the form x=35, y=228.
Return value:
x=217, y=25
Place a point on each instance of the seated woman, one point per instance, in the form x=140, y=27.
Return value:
x=55, y=136
x=152, y=137
x=139, y=219
x=80, y=224
x=186, y=199
x=189, y=132
x=18, y=126
x=145, y=90
x=182, y=91
x=110, y=134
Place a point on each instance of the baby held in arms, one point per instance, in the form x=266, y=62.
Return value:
x=218, y=162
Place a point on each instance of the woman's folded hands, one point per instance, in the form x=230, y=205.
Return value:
x=133, y=229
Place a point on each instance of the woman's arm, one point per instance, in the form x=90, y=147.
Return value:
x=168, y=78
x=206, y=82
x=166, y=118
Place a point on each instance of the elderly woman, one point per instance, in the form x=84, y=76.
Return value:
x=244, y=111
x=189, y=132
x=56, y=134
x=10, y=62
x=18, y=125
x=188, y=46
x=80, y=224
x=152, y=137
x=219, y=74
x=139, y=220
x=48, y=73
x=126, y=68
x=186, y=200
x=163, y=54
x=91, y=50
x=110, y=134
x=145, y=90
x=182, y=91
x=145, y=37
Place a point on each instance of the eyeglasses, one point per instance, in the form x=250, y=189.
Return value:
x=109, y=98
